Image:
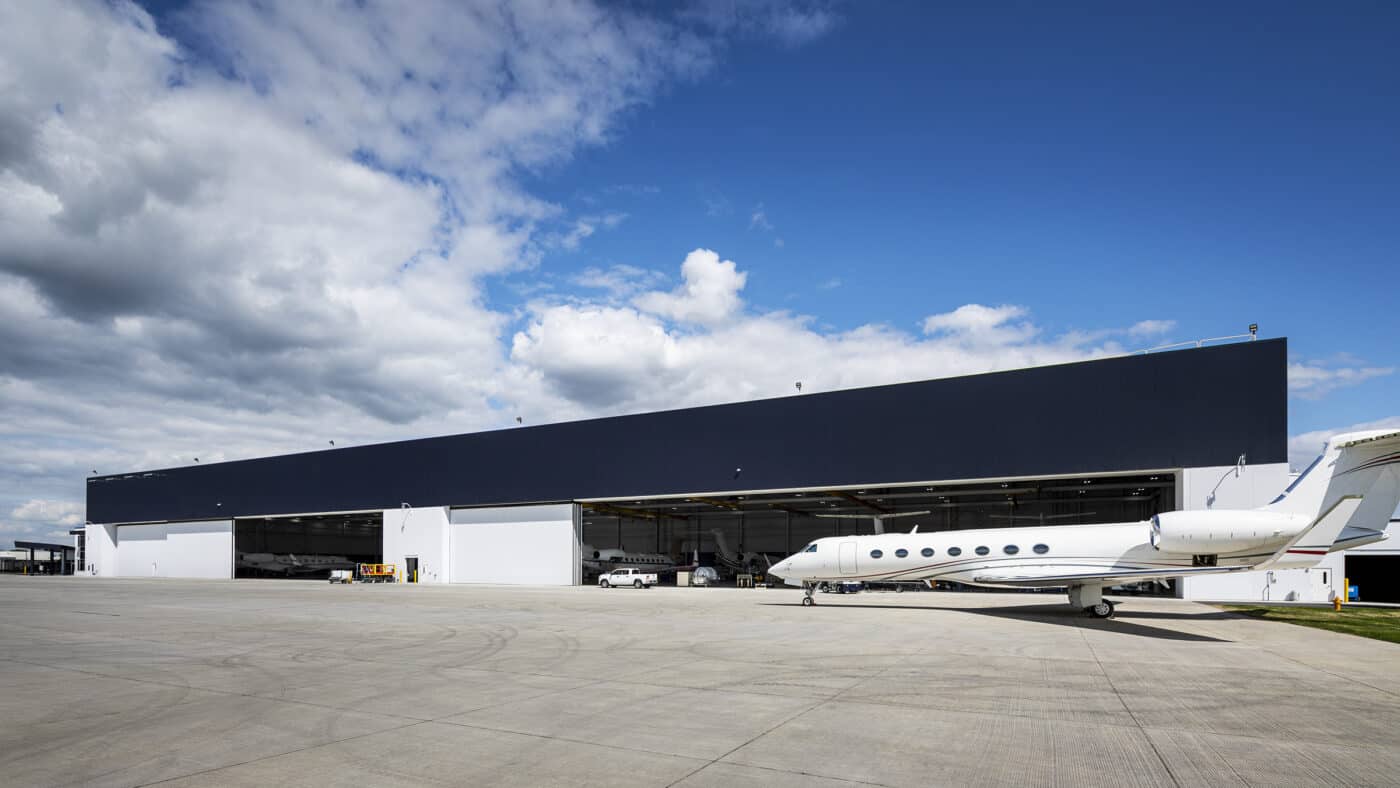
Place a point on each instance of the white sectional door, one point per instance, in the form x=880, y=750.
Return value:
x=140, y=549
x=199, y=550
x=196, y=550
x=524, y=545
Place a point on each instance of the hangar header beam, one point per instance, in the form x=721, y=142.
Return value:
x=1191, y=408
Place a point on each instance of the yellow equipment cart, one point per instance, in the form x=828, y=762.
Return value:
x=378, y=573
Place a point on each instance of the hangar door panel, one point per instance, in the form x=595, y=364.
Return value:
x=199, y=550
x=140, y=549
x=529, y=545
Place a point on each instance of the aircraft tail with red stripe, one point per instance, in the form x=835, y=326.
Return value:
x=1355, y=482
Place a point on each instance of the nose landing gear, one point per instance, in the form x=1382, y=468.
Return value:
x=807, y=590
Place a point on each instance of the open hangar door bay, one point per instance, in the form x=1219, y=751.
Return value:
x=307, y=546
x=1376, y=577
x=744, y=533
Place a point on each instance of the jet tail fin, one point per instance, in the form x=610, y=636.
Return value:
x=1357, y=464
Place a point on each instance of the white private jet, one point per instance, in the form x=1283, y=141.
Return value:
x=607, y=559
x=1354, y=484
x=289, y=564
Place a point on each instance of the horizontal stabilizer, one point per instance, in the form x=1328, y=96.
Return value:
x=1355, y=537
x=1115, y=576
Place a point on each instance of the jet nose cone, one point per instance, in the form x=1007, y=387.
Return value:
x=780, y=569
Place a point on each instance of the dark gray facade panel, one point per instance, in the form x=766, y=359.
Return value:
x=1189, y=408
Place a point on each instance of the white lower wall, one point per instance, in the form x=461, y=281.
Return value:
x=1316, y=584
x=101, y=551
x=190, y=550
x=420, y=532
x=1229, y=487
x=516, y=545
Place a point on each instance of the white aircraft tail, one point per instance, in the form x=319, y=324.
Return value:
x=1355, y=482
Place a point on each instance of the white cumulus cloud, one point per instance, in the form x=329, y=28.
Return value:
x=1315, y=379
x=978, y=324
x=1151, y=328
x=577, y=357
x=708, y=293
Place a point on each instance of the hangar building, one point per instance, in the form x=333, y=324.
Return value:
x=1110, y=440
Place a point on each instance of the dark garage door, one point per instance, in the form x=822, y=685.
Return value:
x=1377, y=577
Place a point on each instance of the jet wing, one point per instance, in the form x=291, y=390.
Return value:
x=1118, y=576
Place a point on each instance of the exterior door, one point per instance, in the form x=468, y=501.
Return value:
x=1322, y=585
x=847, y=558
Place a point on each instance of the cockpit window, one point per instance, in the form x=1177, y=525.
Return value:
x=811, y=548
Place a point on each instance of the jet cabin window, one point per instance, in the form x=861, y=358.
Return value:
x=927, y=552
x=811, y=548
x=1011, y=549
x=955, y=551
x=901, y=553
x=1041, y=549
x=982, y=551
x=876, y=553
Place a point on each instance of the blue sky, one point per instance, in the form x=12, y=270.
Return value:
x=1219, y=167
x=265, y=226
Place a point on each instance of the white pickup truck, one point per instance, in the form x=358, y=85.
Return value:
x=627, y=577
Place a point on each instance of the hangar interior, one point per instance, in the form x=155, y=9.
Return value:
x=306, y=546
x=742, y=533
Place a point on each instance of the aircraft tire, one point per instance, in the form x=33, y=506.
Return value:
x=1101, y=610
x=807, y=601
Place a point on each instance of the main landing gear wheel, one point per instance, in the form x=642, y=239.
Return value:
x=807, y=601
x=1104, y=609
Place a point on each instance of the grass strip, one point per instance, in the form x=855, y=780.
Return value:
x=1368, y=622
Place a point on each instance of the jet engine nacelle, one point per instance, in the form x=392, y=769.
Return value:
x=1212, y=533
